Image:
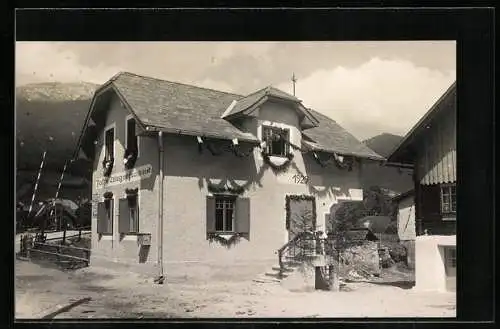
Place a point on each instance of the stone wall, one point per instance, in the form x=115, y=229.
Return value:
x=362, y=256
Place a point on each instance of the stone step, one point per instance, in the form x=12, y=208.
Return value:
x=276, y=275
x=285, y=269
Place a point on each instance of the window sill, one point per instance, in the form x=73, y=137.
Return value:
x=449, y=218
x=105, y=236
x=129, y=236
x=278, y=160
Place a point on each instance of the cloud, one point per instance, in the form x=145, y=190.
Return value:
x=377, y=96
x=368, y=87
x=43, y=62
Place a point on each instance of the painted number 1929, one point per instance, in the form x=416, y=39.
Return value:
x=300, y=179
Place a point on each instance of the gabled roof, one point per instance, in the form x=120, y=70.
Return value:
x=404, y=195
x=179, y=108
x=246, y=105
x=399, y=154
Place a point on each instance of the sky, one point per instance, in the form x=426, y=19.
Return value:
x=367, y=87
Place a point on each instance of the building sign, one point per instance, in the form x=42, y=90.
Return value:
x=124, y=177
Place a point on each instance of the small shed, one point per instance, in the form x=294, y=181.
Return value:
x=360, y=234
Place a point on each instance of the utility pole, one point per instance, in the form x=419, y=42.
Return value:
x=294, y=80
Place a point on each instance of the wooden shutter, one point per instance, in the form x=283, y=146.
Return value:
x=242, y=221
x=101, y=218
x=124, y=216
x=210, y=214
x=109, y=221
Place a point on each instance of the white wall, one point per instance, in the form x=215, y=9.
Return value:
x=406, y=219
x=430, y=272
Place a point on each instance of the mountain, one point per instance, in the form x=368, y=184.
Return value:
x=384, y=143
x=49, y=117
x=389, y=179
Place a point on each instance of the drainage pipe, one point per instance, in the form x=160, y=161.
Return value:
x=160, y=210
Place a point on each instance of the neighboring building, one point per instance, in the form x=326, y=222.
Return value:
x=406, y=215
x=378, y=225
x=431, y=147
x=406, y=224
x=392, y=180
x=207, y=166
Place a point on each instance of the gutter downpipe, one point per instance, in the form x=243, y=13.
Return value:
x=161, y=277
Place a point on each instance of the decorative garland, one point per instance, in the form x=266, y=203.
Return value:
x=223, y=188
x=107, y=166
x=131, y=195
x=233, y=148
x=277, y=168
x=347, y=164
x=228, y=243
x=129, y=158
x=299, y=198
x=108, y=195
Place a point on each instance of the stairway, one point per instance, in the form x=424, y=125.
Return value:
x=277, y=274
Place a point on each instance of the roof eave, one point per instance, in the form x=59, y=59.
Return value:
x=356, y=155
x=152, y=129
x=418, y=127
x=101, y=90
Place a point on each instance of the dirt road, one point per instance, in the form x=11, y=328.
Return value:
x=133, y=295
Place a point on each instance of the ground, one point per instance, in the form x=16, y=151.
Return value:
x=39, y=289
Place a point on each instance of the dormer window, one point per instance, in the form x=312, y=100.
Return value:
x=276, y=141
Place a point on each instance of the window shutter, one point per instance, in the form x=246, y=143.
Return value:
x=109, y=222
x=124, y=216
x=210, y=214
x=243, y=215
x=101, y=218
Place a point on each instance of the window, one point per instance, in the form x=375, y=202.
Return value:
x=129, y=214
x=132, y=145
x=451, y=257
x=228, y=214
x=224, y=214
x=105, y=216
x=276, y=140
x=448, y=199
x=109, y=141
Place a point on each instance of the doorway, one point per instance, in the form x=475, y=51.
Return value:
x=450, y=263
x=300, y=214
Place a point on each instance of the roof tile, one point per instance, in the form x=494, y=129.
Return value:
x=191, y=110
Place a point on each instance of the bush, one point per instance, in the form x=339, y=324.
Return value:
x=398, y=253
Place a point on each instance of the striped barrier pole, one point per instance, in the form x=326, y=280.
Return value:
x=37, y=181
x=57, y=193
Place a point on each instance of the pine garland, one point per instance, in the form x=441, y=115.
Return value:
x=129, y=158
x=107, y=166
x=277, y=168
x=235, y=149
x=299, y=198
x=228, y=243
x=223, y=188
x=347, y=164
